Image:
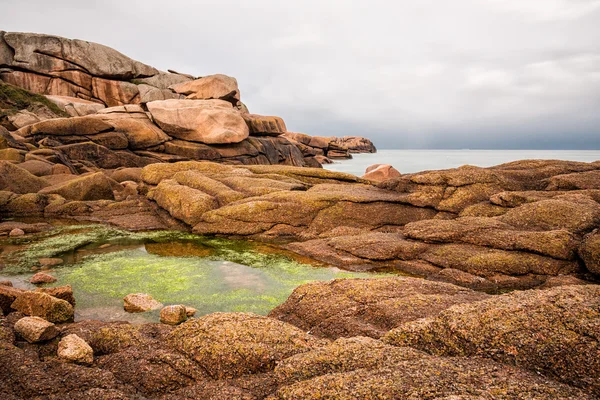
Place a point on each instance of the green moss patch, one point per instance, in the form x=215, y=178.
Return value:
x=13, y=98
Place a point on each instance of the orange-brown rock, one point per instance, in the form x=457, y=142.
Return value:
x=261, y=125
x=209, y=87
x=380, y=172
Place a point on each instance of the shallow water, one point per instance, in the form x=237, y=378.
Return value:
x=408, y=161
x=103, y=265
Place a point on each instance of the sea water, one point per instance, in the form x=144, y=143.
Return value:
x=407, y=161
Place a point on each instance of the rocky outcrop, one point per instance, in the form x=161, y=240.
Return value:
x=331, y=147
x=508, y=329
x=367, y=307
x=218, y=86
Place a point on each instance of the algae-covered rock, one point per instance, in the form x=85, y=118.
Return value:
x=173, y=315
x=590, y=252
x=233, y=344
x=41, y=278
x=367, y=307
x=18, y=180
x=43, y=305
x=555, y=332
x=90, y=187
x=183, y=202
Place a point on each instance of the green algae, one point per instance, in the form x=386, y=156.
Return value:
x=104, y=264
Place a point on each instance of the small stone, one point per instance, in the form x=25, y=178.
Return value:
x=190, y=311
x=74, y=349
x=6, y=283
x=173, y=315
x=42, y=277
x=16, y=232
x=50, y=262
x=140, y=302
x=36, y=329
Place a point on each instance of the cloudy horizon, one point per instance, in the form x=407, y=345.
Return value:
x=406, y=74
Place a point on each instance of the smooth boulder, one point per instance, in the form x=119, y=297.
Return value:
x=36, y=329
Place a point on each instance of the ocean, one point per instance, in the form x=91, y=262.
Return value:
x=407, y=161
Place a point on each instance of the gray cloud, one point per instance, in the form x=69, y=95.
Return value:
x=411, y=73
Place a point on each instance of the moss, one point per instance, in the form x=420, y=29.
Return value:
x=15, y=98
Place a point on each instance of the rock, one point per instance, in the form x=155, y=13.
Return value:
x=355, y=144
x=50, y=262
x=60, y=292
x=491, y=232
x=6, y=283
x=42, y=305
x=19, y=180
x=163, y=80
x=204, y=121
x=173, y=315
x=141, y=134
x=367, y=307
x=127, y=174
x=553, y=332
x=8, y=295
x=358, y=369
x=76, y=107
x=76, y=126
x=210, y=87
x=140, y=302
x=16, y=232
x=12, y=155
x=380, y=172
x=37, y=168
x=41, y=278
x=182, y=202
x=102, y=157
x=45, y=54
x=36, y=329
x=261, y=125
x=190, y=311
x=575, y=213
x=89, y=187
x=590, y=252
x=191, y=150
x=72, y=348
x=235, y=344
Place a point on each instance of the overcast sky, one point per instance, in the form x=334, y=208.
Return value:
x=405, y=73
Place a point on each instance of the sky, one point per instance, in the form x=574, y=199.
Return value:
x=405, y=73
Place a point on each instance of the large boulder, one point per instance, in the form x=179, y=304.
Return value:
x=76, y=107
x=204, y=121
x=37, y=304
x=182, y=202
x=261, y=125
x=19, y=180
x=210, y=87
x=235, y=344
x=367, y=307
x=553, y=332
x=140, y=133
x=89, y=187
x=48, y=54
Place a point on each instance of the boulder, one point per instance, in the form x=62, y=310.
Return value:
x=16, y=232
x=236, y=344
x=589, y=251
x=12, y=155
x=261, y=125
x=140, y=302
x=127, y=174
x=89, y=187
x=140, y=133
x=38, y=168
x=45, y=54
x=72, y=348
x=209, y=87
x=76, y=126
x=191, y=150
x=367, y=307
x=36, y=329
x=163, y=80
x=204, y=121
x=19, y=180
x=102, y=157
x=553, y=332
x=380, y=172
x=43, y=305
x=182, y=202
x=76, y=107
x=8, y=295
x=41, y=278
x=173, y=315
x=60, y=292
